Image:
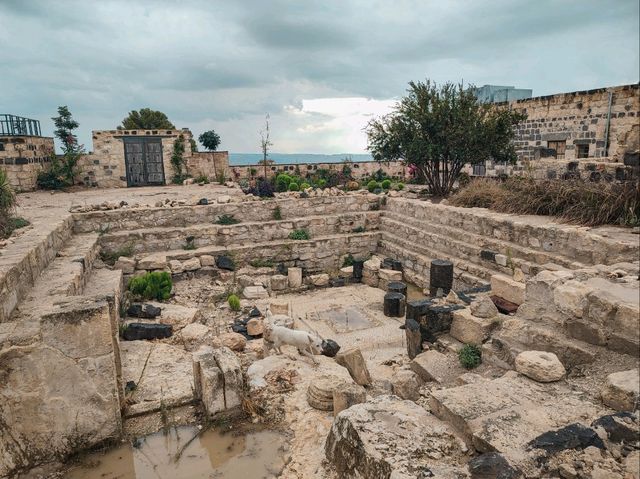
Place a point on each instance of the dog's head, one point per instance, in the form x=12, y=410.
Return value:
x=316, y=343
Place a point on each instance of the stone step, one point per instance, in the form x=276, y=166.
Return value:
x=22, y=262
x=587, y=245
x=466, y=274
x=65, y=276
x=208, y=234
x=472, y=245
x=319, y=254
x=247, y=211
x=485, y=412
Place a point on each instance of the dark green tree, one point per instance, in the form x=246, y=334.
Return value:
x=63, y=169
x=439, y=129
x=210, y=140
x=146, y=119
x=65, y=124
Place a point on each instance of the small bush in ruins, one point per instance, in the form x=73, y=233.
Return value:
x=359, y=229
x=154, y=285
x=348, y=260
x=190, y=244
x=261, y=263
x=277, y=213
x=234, y=302
x=299, y=235
x=227, y=220
x=202, y=179
x=574, y=201
x=110, y=257
x=470, y=356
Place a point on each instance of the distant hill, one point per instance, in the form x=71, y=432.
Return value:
x=237, y=159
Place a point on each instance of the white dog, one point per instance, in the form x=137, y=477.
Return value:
x=276, y=336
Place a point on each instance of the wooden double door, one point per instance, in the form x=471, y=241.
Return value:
x=143, y=161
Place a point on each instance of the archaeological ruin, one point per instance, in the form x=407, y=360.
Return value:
x=404, y=295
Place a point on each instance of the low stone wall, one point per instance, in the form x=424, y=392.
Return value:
x=359, y=169
x=239, y=234
x=23, y=157
x=211, y=164
x=246, y=211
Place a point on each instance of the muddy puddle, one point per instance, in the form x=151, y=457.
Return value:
x=213, y=454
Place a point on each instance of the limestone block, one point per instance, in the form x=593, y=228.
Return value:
x=483, y=307
x=362, y=443
x=193, y=333
x=255, y=327
x=255, y=292
x=469, y=378
x=354, y=362
x=571, y=298
x=207, y=260
x=406, y=384
x=620, y=391
x=279, y=306
x=154, y=261
x=217, y=379
x=346, y=272
x=541, y=366
x=176, y=266
x=279, y=282
x=501, y=260
x=233, y=341
x=127, y=265
x=507, y=288
x=432, y=365
x=470, y=329
x=601, y=307
x=223, y=199
x=295, y=277
x=347, y=395
x=389, y=275
x=318, y=280
x=320, y=391
x=231, y=369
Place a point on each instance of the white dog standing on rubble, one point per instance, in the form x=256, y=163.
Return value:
x=275, y=336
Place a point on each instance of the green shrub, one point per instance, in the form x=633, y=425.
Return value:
x=304, y=186
x=348, y=260
x=110, y=257
x=7, y=195
x=294, y=186
x=154, y=285
x=386, y=184
x=470, y=356
x=190, y=244
x=372, y=186
x=299, y=235
x=227, y=220
x=399, y=186
x=234, y=302
x=220, y=178
x=202, y=179
x=261, y=263
x=321, y=183
x=282, y=182
x=277, y=213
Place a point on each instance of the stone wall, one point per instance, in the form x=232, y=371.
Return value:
x=359, y=169
x=23, y=157
x=580, y=118
x=210, y=164
x=105, y=166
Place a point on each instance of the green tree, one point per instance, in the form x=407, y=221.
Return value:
x=440, y=129
x=210, y=140
x=146, y=119
x=265, y=145
x=63, y=170
x=65, y=124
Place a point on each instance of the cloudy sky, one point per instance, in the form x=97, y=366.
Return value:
x=319, y=69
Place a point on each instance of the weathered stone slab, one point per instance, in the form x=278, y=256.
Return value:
x=354, y=362
x=153, y=261
x=540, y=366
x=432, y=365
x=375, y=440
x=347, y=395
x=507, y=288
x=294, y=276
x=279, y=282
x=255, y=292
x=406, y=384
x=127, y=265
x=621, y=390
x=505, y=414
x=470, y=329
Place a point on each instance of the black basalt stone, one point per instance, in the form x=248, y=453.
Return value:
x=440, y=276
x=620, y=427
x=138, y=331
x=394, y=305
x=330, y=348
x=358, y=266
x=573, y=436
x=397, y=287
x=203, y=201
x=414, y=337
x=145, y=311
x=254, y=313
x=224, y=262
x=492, y=465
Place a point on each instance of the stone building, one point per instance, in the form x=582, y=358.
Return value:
x=143, y=157
x=23, y=151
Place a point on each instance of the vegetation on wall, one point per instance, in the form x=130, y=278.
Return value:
x=210, y=140
x=576, y=201
x=177, y=160
x=439, y=129
x=146, y=119
x=63, y=169
x=8, y=222
x=153, y=285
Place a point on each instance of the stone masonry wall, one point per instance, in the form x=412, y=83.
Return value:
x=105, y=166
x=359, y=169
x=209, y=163
x=580, y=118
x=23, y=157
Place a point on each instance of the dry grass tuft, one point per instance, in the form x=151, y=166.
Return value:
x=574, y=201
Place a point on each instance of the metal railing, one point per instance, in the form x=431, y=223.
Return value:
x=11, y=125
